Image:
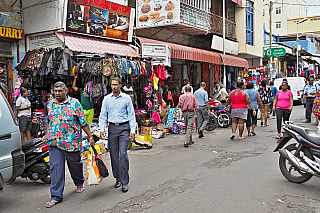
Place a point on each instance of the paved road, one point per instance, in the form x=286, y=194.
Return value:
x=213, y=175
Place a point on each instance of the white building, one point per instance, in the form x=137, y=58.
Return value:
x=282, y=11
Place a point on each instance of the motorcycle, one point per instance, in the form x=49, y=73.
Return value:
x=212, y=124
x=223, y=118
x=36, y=161
x=299, y=161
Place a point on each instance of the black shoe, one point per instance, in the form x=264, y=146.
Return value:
x=117, y=185
x=201, y=134
x=307, y=121
x=125, y=188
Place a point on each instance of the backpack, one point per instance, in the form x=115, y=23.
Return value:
x=97, y=91
x=106, y=68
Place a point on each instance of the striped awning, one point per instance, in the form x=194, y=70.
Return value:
x=87, y=44
x=237, y=2
x=230, y=60
x=188, y=53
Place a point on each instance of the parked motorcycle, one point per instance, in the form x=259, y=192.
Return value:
x=36, y=161
x=212, y=124
x=299, y=161
x=223, y=118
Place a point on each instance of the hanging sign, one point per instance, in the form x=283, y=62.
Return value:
x=8, y=32
x=100, y=18
x=160, y=53
x=275, y=52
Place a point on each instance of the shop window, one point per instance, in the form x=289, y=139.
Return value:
x=6, y=49
x=278, y=10
x=249, y=23
x=278, y=24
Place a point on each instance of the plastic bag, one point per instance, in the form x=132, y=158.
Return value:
x=103, y=170
x=93, y=173
x=156, y=117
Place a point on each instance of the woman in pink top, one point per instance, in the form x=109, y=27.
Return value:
x=283, y=105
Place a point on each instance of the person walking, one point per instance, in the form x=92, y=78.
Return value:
x=184, y=87
x=64, y=138
x=223, y=94
x=239, y=101
x=254, y=96
x=283, y=104
x=85, y=101
x=188, y=104
x=204, y=109
x=316, y=106
x=274, y=91
x=266, y=96
x=167, y=97
x=23, y=106
x=310, y=92
x=47, y=99
x=117, y=109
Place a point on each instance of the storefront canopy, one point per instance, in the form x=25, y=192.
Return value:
x=229, y=60
x=187, y=53
x=238, y=2
x=88, y=44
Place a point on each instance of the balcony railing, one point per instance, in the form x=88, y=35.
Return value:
x=200, y=19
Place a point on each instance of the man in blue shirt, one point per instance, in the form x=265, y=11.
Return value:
x=310, y=92
x=204, y=109
x=118, y=110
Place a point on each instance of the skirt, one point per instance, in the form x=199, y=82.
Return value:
x=241, y=113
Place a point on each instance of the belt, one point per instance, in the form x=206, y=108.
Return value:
x=119, y=124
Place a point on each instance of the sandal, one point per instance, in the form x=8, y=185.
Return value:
x=266, y=125
x=52, y=203
x=241, y=138
x=278, y=136
x=253, y=133
x=80, y=189
x=316, y=124
x=186, y=144
x=192, y=142
x=249, y=134
x=232, y=136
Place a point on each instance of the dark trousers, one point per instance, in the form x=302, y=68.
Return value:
x=309, y=105
x=282, y=114
x=119, y=137
x=57, y=170
x=202, y=117
x=251, y=119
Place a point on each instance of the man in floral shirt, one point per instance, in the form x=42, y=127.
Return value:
x=64, y=138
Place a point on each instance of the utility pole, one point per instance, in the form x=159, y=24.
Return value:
x=270, y=15
x=224, y=38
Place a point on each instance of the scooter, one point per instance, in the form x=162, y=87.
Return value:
x=36, y=161
x=223, y=118
x=299, y=161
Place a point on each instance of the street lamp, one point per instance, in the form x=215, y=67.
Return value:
x=297, y=52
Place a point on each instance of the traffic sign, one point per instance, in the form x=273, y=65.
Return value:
x=275, y=52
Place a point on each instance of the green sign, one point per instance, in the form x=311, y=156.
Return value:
x=275, y=52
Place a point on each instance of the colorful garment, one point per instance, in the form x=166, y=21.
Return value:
x=316, y=104
x=65, y=121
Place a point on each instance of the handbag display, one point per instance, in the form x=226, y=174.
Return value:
x=96, y=91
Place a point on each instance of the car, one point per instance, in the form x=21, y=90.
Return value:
x=296, y=86
x=12, y=159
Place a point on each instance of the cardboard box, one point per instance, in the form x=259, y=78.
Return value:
x=102, y=148
x=144, y=141
x=146, y=130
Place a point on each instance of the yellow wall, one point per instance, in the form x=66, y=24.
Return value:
x=305, y=27
x=244, y=48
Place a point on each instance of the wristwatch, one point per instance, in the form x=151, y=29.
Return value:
x=90, y=138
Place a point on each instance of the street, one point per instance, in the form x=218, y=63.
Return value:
x=215, y=174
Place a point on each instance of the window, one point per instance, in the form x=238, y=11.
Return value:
x=264, y=26
x=278, y=10
x=278, y=24
x=249, y=23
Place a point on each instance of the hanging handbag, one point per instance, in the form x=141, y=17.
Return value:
x=96, y=90
x=106, y=67
x=230, y=105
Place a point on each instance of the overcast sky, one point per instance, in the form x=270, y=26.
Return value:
x=313, y=11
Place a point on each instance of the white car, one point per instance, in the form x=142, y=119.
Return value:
x=296, y=86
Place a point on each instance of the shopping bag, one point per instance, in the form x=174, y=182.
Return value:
x=101, y=166
x=93, y=174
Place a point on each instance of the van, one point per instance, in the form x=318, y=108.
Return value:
x=12, y=158
x=296, y=85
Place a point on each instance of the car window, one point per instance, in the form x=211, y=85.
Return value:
x=6, y=113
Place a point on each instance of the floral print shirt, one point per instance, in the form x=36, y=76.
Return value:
x=65, y=121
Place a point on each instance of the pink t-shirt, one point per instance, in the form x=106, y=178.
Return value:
x=284, y=99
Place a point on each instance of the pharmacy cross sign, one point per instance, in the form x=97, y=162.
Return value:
x=275, y=52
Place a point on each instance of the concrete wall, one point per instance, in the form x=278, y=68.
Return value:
x=310, y=26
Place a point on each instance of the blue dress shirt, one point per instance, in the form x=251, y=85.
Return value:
x=117, y=110
x=201, y=96
x=309, y=89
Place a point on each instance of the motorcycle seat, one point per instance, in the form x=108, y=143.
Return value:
x=27, y=145
x=307, y=134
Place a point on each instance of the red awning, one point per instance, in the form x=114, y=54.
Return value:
x=87, y=44
x=234, y=61
x=238, y=2
x=188, y=53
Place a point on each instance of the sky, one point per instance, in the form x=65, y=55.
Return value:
x=313, y=11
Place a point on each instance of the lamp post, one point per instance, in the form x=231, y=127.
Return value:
x=224, y=37
x=297, y=51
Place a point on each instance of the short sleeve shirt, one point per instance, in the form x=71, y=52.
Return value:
x=23, y=102
x=284, y=99
x=65, y=121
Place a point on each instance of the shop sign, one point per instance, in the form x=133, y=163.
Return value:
x=48, y=41
x=1, y=70
x=160, y=53
x=275, y=52
x=155, y=13
x=8, y=32
x=230, y=47
x=100, y=18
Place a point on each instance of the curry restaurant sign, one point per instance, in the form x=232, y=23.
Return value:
x=8, y=32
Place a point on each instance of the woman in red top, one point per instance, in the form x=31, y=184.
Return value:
x=239, y=101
